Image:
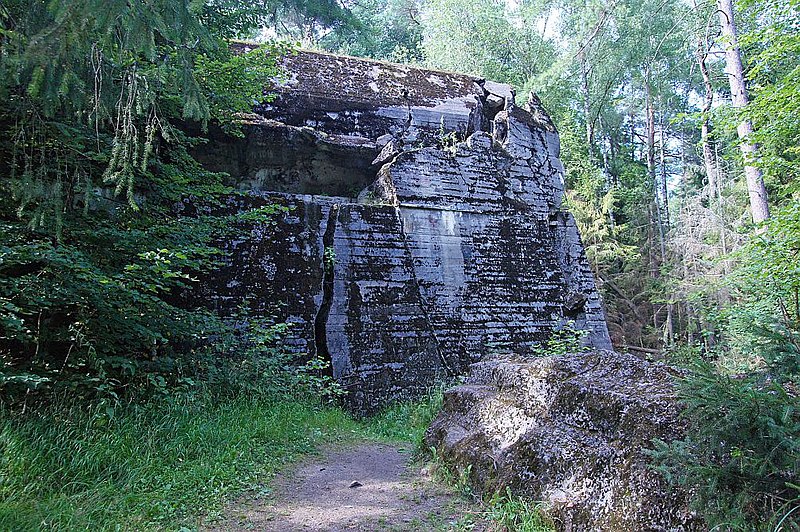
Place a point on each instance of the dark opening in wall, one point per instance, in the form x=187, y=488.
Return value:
x=280, y=158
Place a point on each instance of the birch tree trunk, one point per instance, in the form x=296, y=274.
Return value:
x=587, y=104
x=733, y=61
x=708, y=154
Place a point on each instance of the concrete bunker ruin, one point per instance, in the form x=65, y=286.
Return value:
x=424, y=228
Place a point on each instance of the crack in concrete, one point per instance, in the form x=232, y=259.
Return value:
x=328, y=269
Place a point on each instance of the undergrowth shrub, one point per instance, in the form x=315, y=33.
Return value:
x=250, y=358
x=565, y=340
x=102, y=312
x=741, y=454
x=96, y=246
x=741, y=457
x=562, y=340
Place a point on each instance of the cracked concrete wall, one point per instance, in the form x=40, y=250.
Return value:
x=458, y=248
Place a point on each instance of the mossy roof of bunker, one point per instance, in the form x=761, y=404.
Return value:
x=381, y=84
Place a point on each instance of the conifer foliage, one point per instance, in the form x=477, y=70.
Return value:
x=93, y=98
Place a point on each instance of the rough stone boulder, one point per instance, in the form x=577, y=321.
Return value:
x=571, y=431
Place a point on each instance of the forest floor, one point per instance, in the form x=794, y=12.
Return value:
x=364, y=486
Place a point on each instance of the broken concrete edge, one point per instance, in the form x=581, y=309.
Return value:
x=497, y=95
x=457, y=106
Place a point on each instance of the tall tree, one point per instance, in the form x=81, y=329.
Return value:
x=708, y=100
x=93, y=99
x=759, y=208
x=485, y=37
x=383, y=29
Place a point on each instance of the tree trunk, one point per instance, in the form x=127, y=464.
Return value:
x=651, y=161
x=657, y=193
x=733, y=61
x=651, y=128
x=662, y=182
x=587, y=110
x=632, y=119
x=669, y=327
x=708, y=154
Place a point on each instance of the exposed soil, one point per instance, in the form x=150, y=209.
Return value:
x=369, y=487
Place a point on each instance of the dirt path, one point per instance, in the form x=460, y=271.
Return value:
x=369, y=487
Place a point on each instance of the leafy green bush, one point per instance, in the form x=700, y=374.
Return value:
x=562, y=341
x=766, y=320
x=250, y=360
x=94, y=255
x=97, y=311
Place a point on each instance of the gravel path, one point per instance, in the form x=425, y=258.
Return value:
x=370, y=487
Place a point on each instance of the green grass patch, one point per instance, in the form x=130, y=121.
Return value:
x=153, y=466
x=405, y=421
x=510, y=512
x=163, y=465
x=502, y=510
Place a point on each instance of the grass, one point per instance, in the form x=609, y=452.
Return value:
x=502, y=511
x=156, y=466
x=405, y=421
x=511, y=512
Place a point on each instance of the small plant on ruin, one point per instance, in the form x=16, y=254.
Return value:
x=329, y=256
x=567, y=339
x=314, y=377
x=448, y=140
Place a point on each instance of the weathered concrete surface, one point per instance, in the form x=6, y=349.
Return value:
x=279, y=158
x=441, y=238
x=357, y=99
x=571, y=431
